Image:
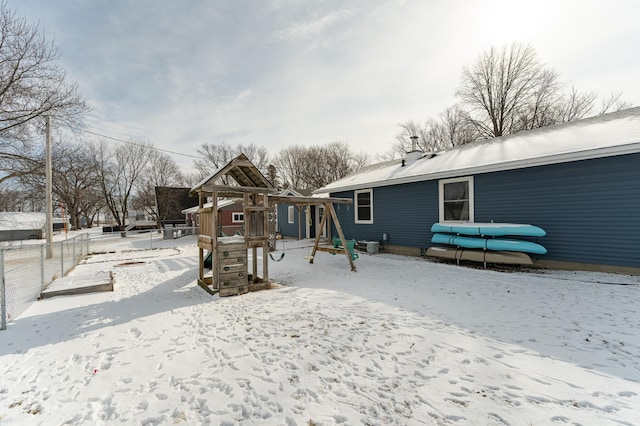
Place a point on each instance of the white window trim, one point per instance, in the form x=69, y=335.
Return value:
x=291, y=216
x=441, y=184
x=355, y=202
x=233, y=217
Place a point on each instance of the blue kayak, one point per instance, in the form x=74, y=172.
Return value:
x=489, y=229
x=489, y=243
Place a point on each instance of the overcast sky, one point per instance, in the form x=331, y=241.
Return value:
x=283, y=72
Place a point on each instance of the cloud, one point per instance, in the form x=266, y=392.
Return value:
x=289, y=72
x=305, y=29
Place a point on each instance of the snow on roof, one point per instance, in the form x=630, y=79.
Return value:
x=601, y=136
x=24, y=220
x=221, y=203
x=21, y=220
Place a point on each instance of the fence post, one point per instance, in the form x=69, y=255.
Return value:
x=42, y=267
x=61, y=259
x=3, y=294
x=75, y=259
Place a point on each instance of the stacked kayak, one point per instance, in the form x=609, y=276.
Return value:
x=486, y=242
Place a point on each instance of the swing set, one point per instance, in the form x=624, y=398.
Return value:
x=279, y=258
x=231, y=273
x=338, y=244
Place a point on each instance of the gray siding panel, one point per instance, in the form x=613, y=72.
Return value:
x=590, y=209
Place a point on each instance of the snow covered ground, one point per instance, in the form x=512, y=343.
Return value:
x=401, y=341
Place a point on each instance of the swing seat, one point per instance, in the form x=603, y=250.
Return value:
x=351, y=245
x=276, y=259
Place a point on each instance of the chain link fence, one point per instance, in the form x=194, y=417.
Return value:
x=26, y=270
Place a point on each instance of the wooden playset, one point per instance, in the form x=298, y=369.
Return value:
x=229, y=261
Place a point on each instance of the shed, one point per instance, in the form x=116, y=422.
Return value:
x=15, y=226
x=580, y=181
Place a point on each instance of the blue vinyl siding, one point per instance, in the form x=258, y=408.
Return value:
x=590, y=209
x=284, y=227
x=404, y=212
x=291, y=229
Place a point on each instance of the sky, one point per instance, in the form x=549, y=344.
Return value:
x=401, y=341
x=294, y=72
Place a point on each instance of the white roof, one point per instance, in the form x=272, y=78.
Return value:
x=221, y=203
x=24, y=220
x=601, y=136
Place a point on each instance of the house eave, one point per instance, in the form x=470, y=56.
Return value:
x=588, y=154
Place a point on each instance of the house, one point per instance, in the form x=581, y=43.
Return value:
x=298, y=221
x=170, y=202
x=579, y=181
x=230, y=216
x=15, y=226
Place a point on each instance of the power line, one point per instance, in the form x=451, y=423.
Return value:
x=134, y=143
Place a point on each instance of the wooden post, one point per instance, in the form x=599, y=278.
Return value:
x=200, y=249
x=315, y=244
x=342, y=238
x=265, y=243
x=254, y=268
x=215, y=260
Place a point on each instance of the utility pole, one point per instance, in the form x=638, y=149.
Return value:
x=48, y=191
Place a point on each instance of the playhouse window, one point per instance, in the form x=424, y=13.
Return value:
x=456, y=199
x=237, y=217
x=291, y=215
x=364, y=206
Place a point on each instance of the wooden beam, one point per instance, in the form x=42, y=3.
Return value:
x=315, y=201
x=342, y=238
x=265, y=245
x=215, y=261
x=236, y=189
x=200, y=250
x=241, y=176
x=317, y=241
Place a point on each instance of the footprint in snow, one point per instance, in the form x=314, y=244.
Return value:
x=135, y=332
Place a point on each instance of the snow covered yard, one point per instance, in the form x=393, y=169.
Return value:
x=402, y=341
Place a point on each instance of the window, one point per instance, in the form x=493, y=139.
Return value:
x=237, y=217
x=456, y=199
x=364, y=206
x=291, y=215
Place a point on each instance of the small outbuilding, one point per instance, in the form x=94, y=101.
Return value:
x=15, y=226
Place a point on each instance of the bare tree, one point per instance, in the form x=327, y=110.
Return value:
x=453, y=128
x=613, y=103
x=10, y=199
x=289, y=165
x=316, y=166
x=119, y=170
x=215, y=156
x=501, y=84
x=32, y=85
x=574, y=105
x=161, y=171
x=540, y=108
x=75, y=182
